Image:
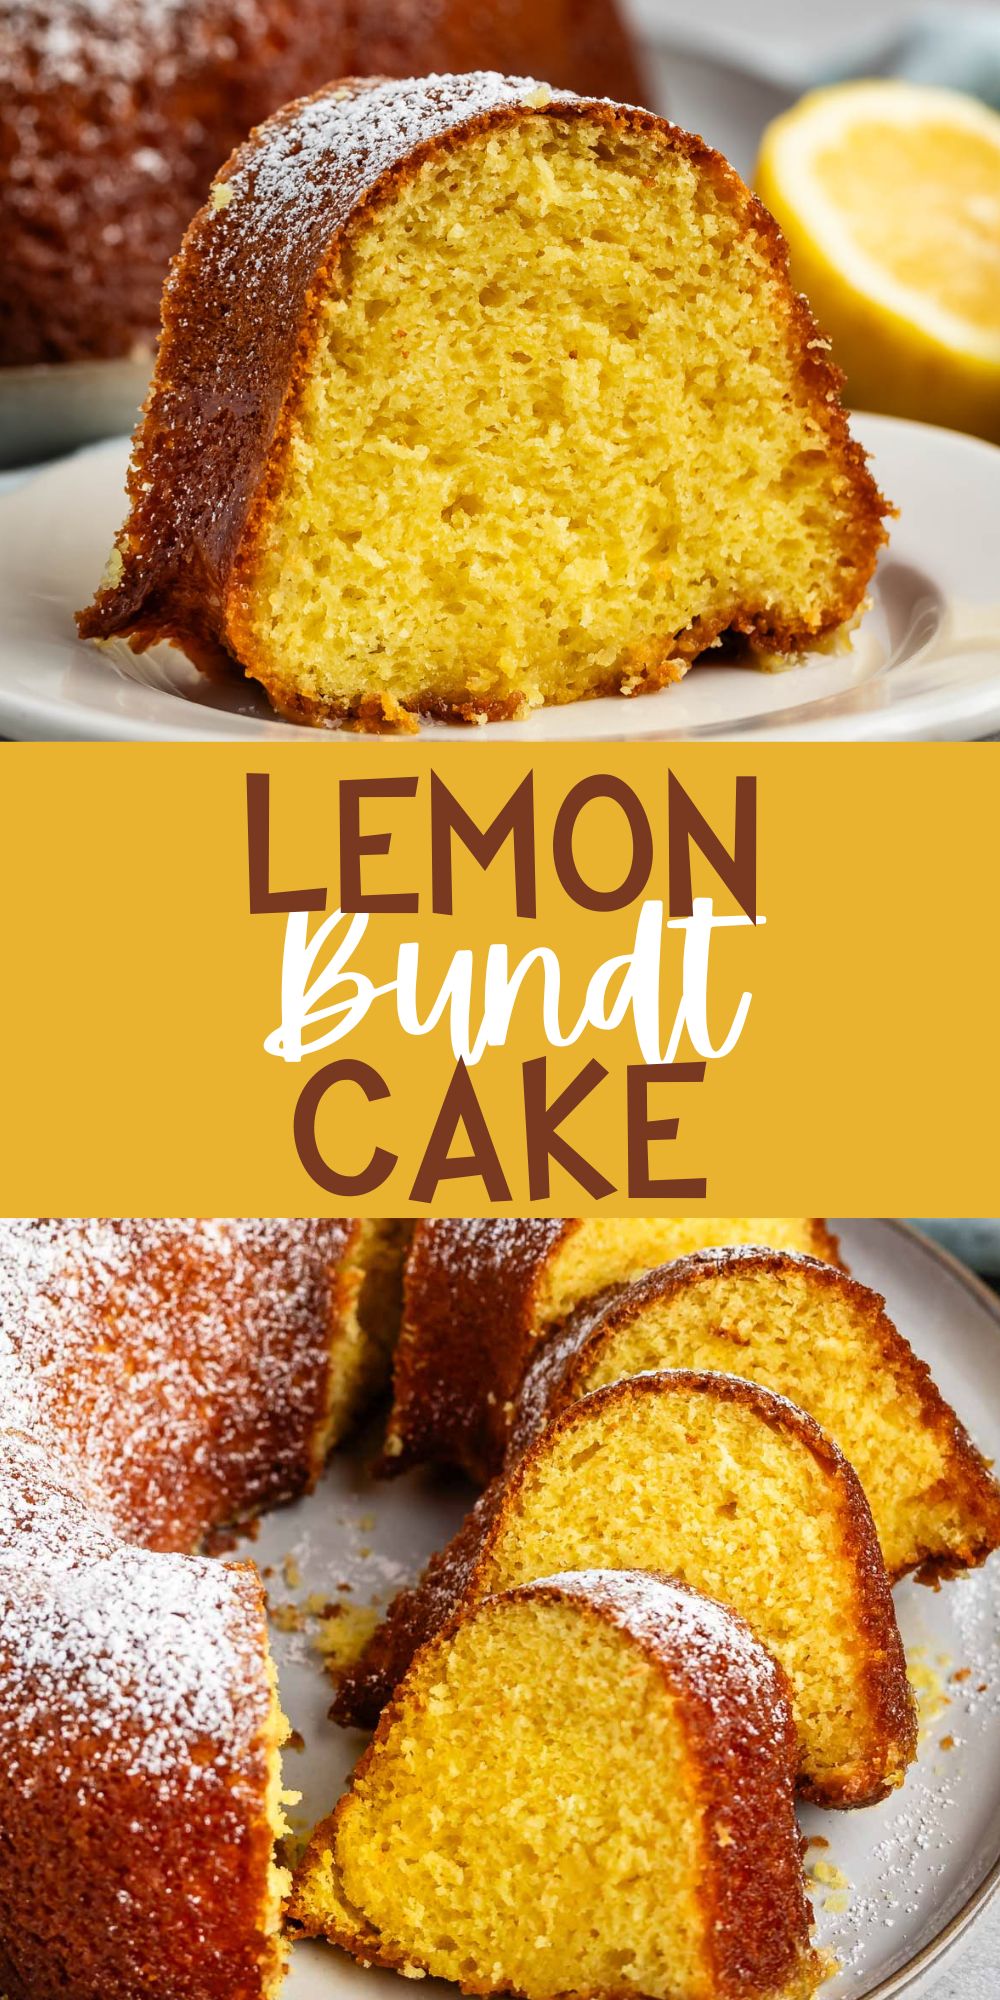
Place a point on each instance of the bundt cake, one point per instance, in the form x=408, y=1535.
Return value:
x=609, y=1744
x=742, y=1496
x=472, y=397
x=480, y=1294
x=139, y=1744
x=114, y=117
x=816, y=1336
x=158, y=1380
x=247, y=1348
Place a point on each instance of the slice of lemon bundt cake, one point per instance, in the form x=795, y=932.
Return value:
x=739, y=1494
x=585, y=1787
x=471, y=397
x=816, y=1336
x=139, y=1744
x=479, y=1294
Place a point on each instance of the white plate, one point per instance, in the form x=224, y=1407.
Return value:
x=924, y=663
x=50, y=409
x=922, y=1865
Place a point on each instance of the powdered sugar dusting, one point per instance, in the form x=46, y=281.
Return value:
x=81, y=44
x=705, y=1639
x=156, y=1376
x=182, y=1360
x=307, y=169
x=357, y=132
x=139, y=1659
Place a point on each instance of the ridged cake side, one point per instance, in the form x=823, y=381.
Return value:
x=243, y=1344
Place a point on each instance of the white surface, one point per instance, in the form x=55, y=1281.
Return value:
x=913, y=1862
x=925, y=662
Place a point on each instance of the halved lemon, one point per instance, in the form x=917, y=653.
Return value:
x=889, y=196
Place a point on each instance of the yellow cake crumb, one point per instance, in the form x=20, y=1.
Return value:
x=342, y=1637
x=829, y=1875
x=287, y=1617
x=931, y=1694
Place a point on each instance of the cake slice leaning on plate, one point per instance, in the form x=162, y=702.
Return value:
x=472, y=397
x=584, y=1787
x=817, y=1336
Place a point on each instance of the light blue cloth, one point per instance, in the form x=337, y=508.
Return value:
x=958, y=47
x=976, y=1239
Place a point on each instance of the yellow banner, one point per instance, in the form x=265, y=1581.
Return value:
x=386, y=978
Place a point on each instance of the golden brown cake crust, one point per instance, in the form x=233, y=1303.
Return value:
x=225, y=1332
x=451, y=1577
x=134, y=1710
x=736, y=1710
x=118, y=116
x=469, y=1331
x=241, y=319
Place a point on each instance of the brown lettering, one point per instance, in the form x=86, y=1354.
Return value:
x=461, y=1107
x=515, y=821
x=264, y=899
x=381, y=1163
x=644, y=1130
x=354, y=845
x=737, y=870
x=541, y=1127
x=602, y=786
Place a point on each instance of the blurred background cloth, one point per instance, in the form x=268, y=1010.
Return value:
x=955, y=46
x=796, y=43
x=976, y=1239
x=725, y=68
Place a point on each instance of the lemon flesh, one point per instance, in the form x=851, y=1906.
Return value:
x=889, y=196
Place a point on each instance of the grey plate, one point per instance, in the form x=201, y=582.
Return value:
x=922, y=1866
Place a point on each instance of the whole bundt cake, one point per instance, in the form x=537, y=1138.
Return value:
x=815, y=1335
x=729, y=1487
x=158, y=1380
x=115, y=114
x=139, y=1743
x=605, y=1745
x=472, y=397
x=480, y=1294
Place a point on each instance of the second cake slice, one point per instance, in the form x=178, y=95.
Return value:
x=736, y=1492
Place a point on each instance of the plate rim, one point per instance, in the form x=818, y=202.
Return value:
x=984, y=1892
x=962, y=712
